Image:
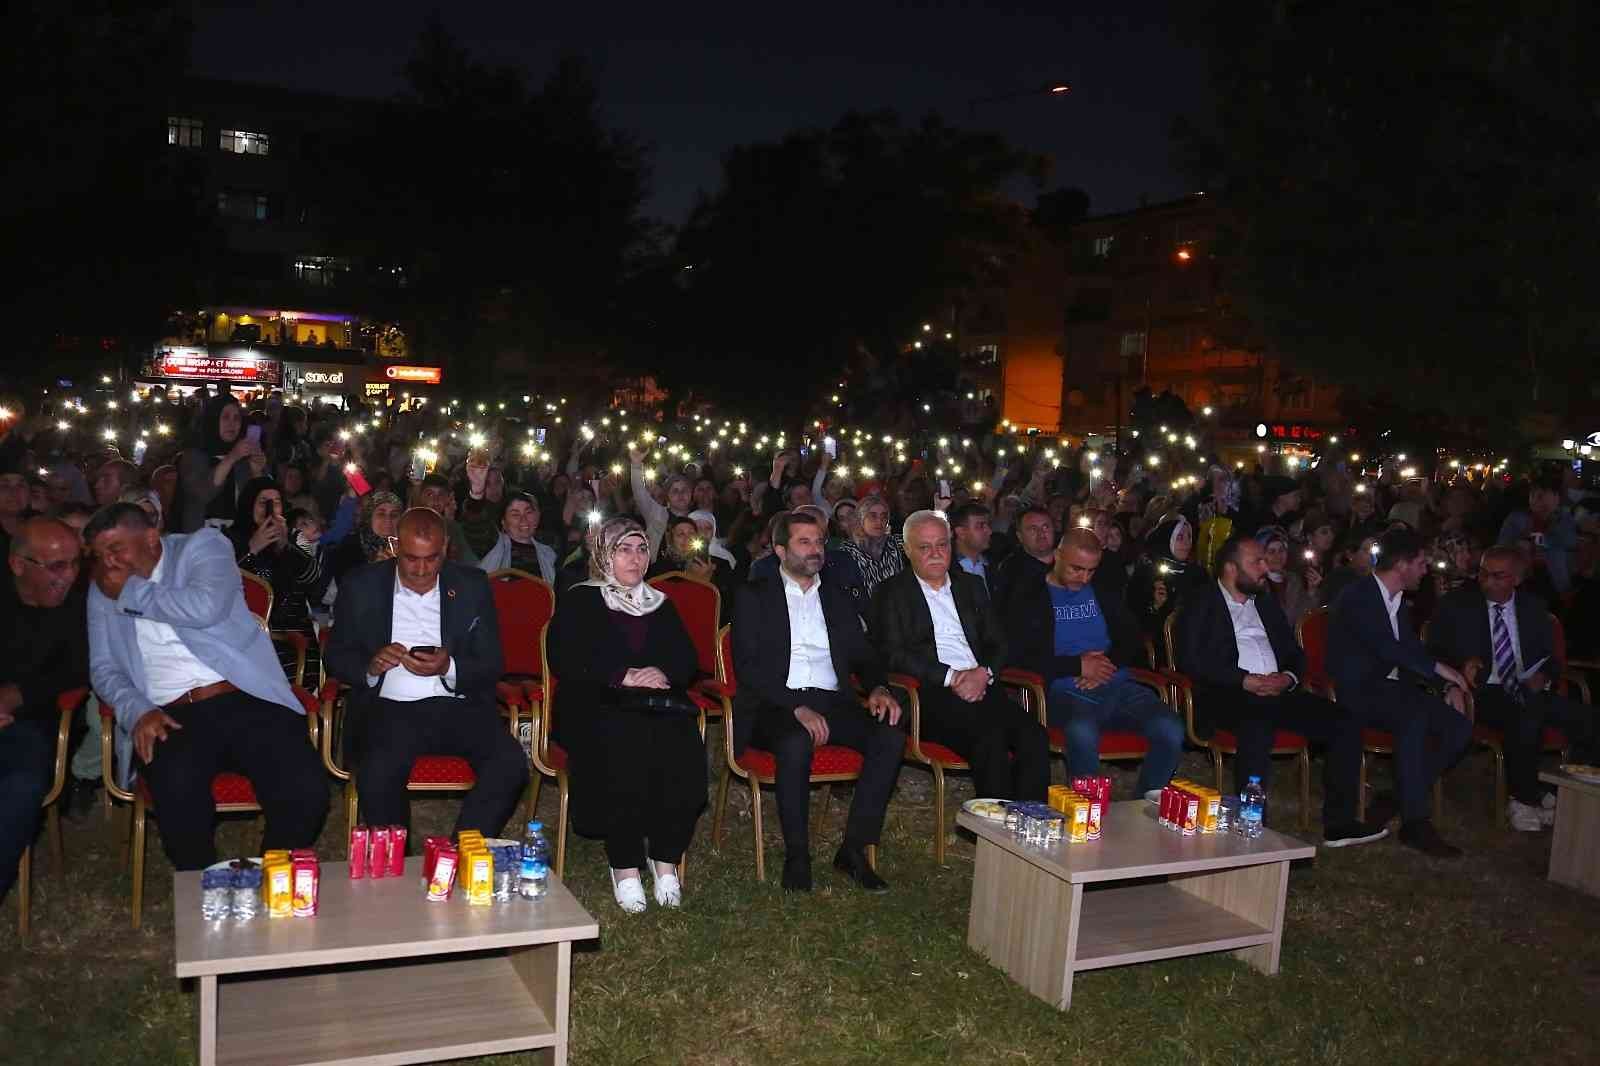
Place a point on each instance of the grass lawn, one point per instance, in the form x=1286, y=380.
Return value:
x=1388, y=957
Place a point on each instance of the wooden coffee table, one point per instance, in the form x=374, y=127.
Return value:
x=1575, y=846
x=381, y=975
x=1138, y=894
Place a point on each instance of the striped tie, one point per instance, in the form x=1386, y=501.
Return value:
x=1505, y=658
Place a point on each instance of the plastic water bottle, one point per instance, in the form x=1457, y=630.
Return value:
x=1252, y=802
x=534, y=881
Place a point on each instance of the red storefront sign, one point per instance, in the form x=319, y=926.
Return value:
x=417, y=375
x=199, y=364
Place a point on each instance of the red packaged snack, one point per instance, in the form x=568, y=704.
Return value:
x=430, y=853
x=1103, y=790
x=397, y=850
x=378, y=856
x=358, y=852
x=1166, y=806
x=306, y=878
x=444, y=874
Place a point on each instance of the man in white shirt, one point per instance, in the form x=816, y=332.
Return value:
x=1235, y=645
x=417, y=640
x=936, y=624
x=797, y=643
x=196, y=685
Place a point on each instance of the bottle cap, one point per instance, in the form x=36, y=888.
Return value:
x=534, y=827
x=1254, y=779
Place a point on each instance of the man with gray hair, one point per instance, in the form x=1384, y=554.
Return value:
x=937, y=625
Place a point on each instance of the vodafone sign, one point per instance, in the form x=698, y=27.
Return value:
x=418, y=375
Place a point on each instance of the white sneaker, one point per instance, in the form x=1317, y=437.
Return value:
x=668, y=892
x=1547, y=810
x=629, y=893
x=1549, y=801
x=1524, y=818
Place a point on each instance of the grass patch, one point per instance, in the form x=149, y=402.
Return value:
x=1388, y=957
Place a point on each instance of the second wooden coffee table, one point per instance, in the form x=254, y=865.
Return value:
x=1138, y=894
x=381, y=975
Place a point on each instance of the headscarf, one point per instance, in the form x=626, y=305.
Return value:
x=372, y=543
x=1267, y=536
x=209, y=433
x=1161, y=541
x=641, y=599
x=714, y=546
x=866, y=543
x=244, y=514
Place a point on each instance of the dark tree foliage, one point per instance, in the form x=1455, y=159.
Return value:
x=101, y=223
x=834, y=242
x=1417, y=188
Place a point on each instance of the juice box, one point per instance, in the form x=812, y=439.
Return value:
x=1077, y=819
x=378, y=852
x=430, y=852
x=397, y=850
x=444, y=874
x=307, y=875
x=1096, y=815
x=358, y=852
x=273, y=856
x=480, y=877
x=1191, y=812
x=277, y=885
x=1211, y=807
x=1058, y=795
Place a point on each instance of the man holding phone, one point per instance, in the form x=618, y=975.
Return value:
x=417, y=641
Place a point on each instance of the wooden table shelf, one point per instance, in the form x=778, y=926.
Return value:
x=380, y=976
x=1139, y=894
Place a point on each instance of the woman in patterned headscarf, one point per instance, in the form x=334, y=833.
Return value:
x=636, y=759
x=374, y=536
x=1284, y=583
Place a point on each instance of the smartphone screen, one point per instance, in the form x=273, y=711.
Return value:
x=354, y=478
x=830, y=446
x=944, y=487
x=253, y=434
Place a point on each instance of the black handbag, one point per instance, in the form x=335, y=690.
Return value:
x=656, y=701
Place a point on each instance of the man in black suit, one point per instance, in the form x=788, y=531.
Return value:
x=1034, y=556
x=936, y=624
x=797, y=643
x=1236, y=646
x=1502, y=638
x=417, y=641
x=1376, y=659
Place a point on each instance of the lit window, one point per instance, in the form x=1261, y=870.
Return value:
x=320, y=270
x=249, y=206
x=1133, y=343
x=185, y=132
x=1103, y=246
x=244, y=143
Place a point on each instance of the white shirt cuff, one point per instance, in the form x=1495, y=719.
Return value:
x=373, y=680
x=450, y=675
x=949, y=676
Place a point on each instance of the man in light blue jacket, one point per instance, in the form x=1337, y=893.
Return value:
x=196, y=685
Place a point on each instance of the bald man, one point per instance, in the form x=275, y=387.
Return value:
x=46, y=653
x=416, y=639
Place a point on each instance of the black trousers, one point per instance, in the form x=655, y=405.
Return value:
x=1253, y=720
x=395, y=732
x=1523, y=725
x=1007, y=747
x=638, y=781
x=27, y=756
x=1429, y=736
x=235, y=733
x=881, y=745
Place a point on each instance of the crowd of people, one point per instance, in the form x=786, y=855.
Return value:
x=840, y=570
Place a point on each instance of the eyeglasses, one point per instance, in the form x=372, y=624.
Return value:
x=61, y=568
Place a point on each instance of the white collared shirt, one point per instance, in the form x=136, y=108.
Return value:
x=1255, y=647
x=170, y=668
x=978, y=568
x=810, y=654
x=1511, y=631
x=949, y=639
x=416, y=622
x=1392, y=605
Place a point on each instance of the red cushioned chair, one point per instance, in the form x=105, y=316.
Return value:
x=1224, y=741
x=1551, y=739
x=232, y=793
x=1028, y=688
x=258, y=597
x=550, y=758
x=523, y=603
x=699, y=604
x=936, y=757
x=67, y=704
x=1312, y=633
x=758, y=767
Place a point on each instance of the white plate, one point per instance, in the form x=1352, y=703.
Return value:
x=992, y=809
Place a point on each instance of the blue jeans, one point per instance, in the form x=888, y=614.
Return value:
x=27, y=753
x=1120, y=705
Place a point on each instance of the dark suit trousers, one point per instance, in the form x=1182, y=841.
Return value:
x=1523, y=727
x=27, y=756
x=1429, y=736
x=396, y=732
x=1007, y=747
x=881, y=745
x=1253, y=720
x=235, y=733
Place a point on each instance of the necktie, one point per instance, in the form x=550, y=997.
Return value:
x=1505, y=658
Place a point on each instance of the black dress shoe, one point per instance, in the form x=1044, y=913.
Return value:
x=80, y=799
x=853, y=863
x=1422, y=836
x=797, y=875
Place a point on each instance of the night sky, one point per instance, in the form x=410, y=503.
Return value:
x=694, y=79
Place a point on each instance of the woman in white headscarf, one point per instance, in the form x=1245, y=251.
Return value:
x=637, y=762
x=706, y=522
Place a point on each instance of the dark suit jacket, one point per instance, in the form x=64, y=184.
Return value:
x=762, y=643
x=364, y=620
x=1362, y=648
x=903, y=626
x=1207, y=649
x=1459, y=630
x=1031, y=629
